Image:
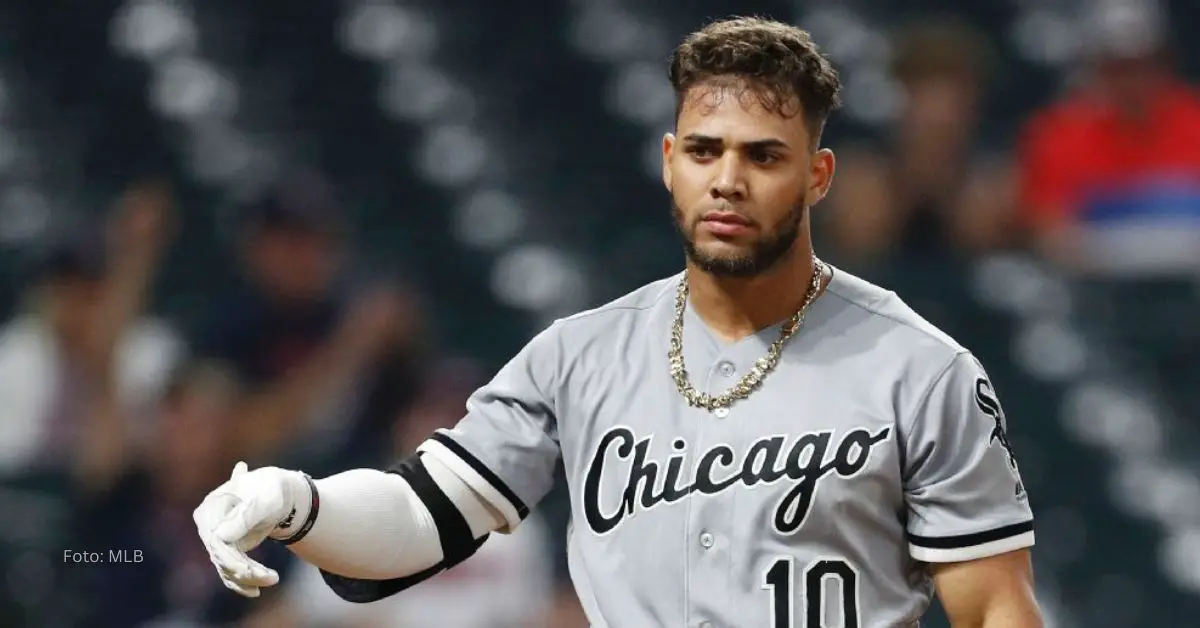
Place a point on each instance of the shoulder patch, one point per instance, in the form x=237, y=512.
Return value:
x=989, y=404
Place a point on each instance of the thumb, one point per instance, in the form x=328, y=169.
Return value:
x=234, y=526
x=239, y=468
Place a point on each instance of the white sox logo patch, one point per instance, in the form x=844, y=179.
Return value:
x=806, y=462
x=985, y=398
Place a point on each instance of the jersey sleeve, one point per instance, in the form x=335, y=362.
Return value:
x=962, y=485
x=506, y=447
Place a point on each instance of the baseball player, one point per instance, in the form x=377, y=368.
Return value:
x=762, y=440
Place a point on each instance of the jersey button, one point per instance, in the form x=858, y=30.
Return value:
x=727, y=369
x=721, y=412
x=706, y=540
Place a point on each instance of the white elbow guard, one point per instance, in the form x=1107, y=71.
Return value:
x=458, y=526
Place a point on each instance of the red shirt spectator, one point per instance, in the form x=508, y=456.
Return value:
x=1111, y=174
x=1085, y=149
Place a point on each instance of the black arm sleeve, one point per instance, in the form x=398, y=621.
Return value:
x=458, y=544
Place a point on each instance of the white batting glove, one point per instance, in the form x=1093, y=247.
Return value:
x=240, y=514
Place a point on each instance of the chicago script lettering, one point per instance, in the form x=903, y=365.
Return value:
x=806, y=463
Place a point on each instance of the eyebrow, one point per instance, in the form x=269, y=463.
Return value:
x=707, y=140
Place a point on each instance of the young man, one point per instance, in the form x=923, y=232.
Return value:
x=761, y=440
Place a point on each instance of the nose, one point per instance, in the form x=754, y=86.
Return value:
x=728, y=182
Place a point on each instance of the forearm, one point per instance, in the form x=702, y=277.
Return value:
x=1012, y=614
x=992, y=592
x=372, y=525
x=267, y=417
x=124, y=296
x=100, y=455
x=1002, y=606
x=1005, y=618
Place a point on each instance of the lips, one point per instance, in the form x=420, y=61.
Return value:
x=731, y=218
x=725, y=223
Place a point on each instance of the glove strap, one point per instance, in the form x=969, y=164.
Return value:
x=313, y=508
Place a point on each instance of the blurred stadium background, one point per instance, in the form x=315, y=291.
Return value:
x=299, y=232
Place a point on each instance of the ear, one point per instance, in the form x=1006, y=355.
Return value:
x=820, y=175
x=668, y=149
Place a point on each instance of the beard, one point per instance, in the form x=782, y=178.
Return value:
x=767, y=250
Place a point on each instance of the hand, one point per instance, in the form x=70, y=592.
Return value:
x=142, y=218
x=239, y=515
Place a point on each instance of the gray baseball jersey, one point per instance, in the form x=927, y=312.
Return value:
x=877, y=444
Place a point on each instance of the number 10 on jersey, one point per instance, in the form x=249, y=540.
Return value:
x=780, y=581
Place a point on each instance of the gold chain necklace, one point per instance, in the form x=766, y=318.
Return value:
x=764, y=365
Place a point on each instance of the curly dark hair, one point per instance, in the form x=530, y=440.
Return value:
x=779, y=63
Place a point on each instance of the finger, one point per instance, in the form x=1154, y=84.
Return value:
x=234, y=566
x=270, y=579
x=212, y=510
x=249, y=522
x=239, y=567
x=245, y=591
x=257, y=575
x=253, y=572
x=260, y=576
x=229, y=561
x=239, y=468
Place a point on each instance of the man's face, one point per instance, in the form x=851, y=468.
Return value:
x=191, y=446
x=293, y=264
x=942, y=107
x=741, y=179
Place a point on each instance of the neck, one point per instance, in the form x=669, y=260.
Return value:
x=735, y=308
x=1137, y=106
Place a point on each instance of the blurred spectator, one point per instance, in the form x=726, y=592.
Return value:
x=929, y=190
x=148, y=509
x=1111, y=173
x=83, y=339
x=326, y=364
x=507, y=584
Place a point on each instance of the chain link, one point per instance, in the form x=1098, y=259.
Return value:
x=763, y=366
